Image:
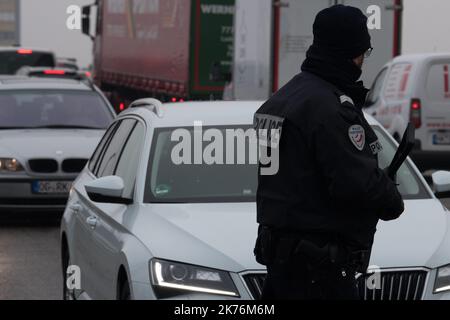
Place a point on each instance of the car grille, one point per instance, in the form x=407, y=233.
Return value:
x=43, y=165
x=400, y=285
x=255, y=283
x=73, y=165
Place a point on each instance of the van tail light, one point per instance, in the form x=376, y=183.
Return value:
x=415, y=115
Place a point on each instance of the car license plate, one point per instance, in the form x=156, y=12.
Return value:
x=442, y=138
x=51, y=187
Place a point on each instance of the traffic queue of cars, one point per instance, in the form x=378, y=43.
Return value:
x=140, y=225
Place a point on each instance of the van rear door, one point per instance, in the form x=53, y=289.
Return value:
x=395, y=111
x=436, y=105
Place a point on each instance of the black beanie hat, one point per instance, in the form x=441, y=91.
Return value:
x=342, y=30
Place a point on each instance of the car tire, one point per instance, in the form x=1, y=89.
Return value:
x=124, y=290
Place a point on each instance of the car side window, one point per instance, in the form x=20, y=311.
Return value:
x=375, y=91
x=101, y=147
x=129, y=160
x=111, y=155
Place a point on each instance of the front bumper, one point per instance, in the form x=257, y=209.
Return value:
x=396, y=284
x=16, y=194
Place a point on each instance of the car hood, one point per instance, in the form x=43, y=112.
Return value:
x=419, y=238
x=222, y=236
x=37, y=143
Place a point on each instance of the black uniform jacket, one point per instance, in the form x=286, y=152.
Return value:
x=328, y=180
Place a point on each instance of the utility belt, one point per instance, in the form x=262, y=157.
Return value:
x=281, y=247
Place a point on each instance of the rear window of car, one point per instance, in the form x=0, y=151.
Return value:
x=53, y=109
x=438, y=83
x=12, y=61
x=398, y=81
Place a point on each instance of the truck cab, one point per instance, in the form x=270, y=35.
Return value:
x=415, y=88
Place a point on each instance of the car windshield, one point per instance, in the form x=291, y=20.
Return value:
x=409, y=184
x=168, y=182
x=11, y=61
x=171, y=182
x=53, y=109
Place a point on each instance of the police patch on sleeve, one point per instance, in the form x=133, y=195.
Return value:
x=357, y=136
x=268, y=129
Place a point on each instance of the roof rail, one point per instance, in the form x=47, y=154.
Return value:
x=152, y=104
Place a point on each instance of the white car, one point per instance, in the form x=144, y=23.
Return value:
x=48, y=130
x=416, y=88
x=139, y=226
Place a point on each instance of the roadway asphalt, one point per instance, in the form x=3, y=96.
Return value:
x=30, y=260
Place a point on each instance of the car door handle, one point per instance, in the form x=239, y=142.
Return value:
x=76, y=208
x=92, y=222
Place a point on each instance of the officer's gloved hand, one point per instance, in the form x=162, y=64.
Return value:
x=392, y=213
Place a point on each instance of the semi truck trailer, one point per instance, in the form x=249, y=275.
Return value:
x=172, y=50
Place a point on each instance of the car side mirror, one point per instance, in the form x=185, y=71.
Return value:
x=441, y=183
x=107, y=190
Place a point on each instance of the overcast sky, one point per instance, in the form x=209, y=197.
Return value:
x=426, y=27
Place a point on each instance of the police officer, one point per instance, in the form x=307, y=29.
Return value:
x=318, y=213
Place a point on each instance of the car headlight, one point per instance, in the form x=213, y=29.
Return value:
x=442, y=279
x=173, y=278
x=10, y=165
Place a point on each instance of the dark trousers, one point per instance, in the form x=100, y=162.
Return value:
x=298, y=279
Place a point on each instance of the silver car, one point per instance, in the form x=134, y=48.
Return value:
x=141, y=225
x=48, y=130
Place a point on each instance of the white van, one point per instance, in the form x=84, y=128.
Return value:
x=415, y=88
